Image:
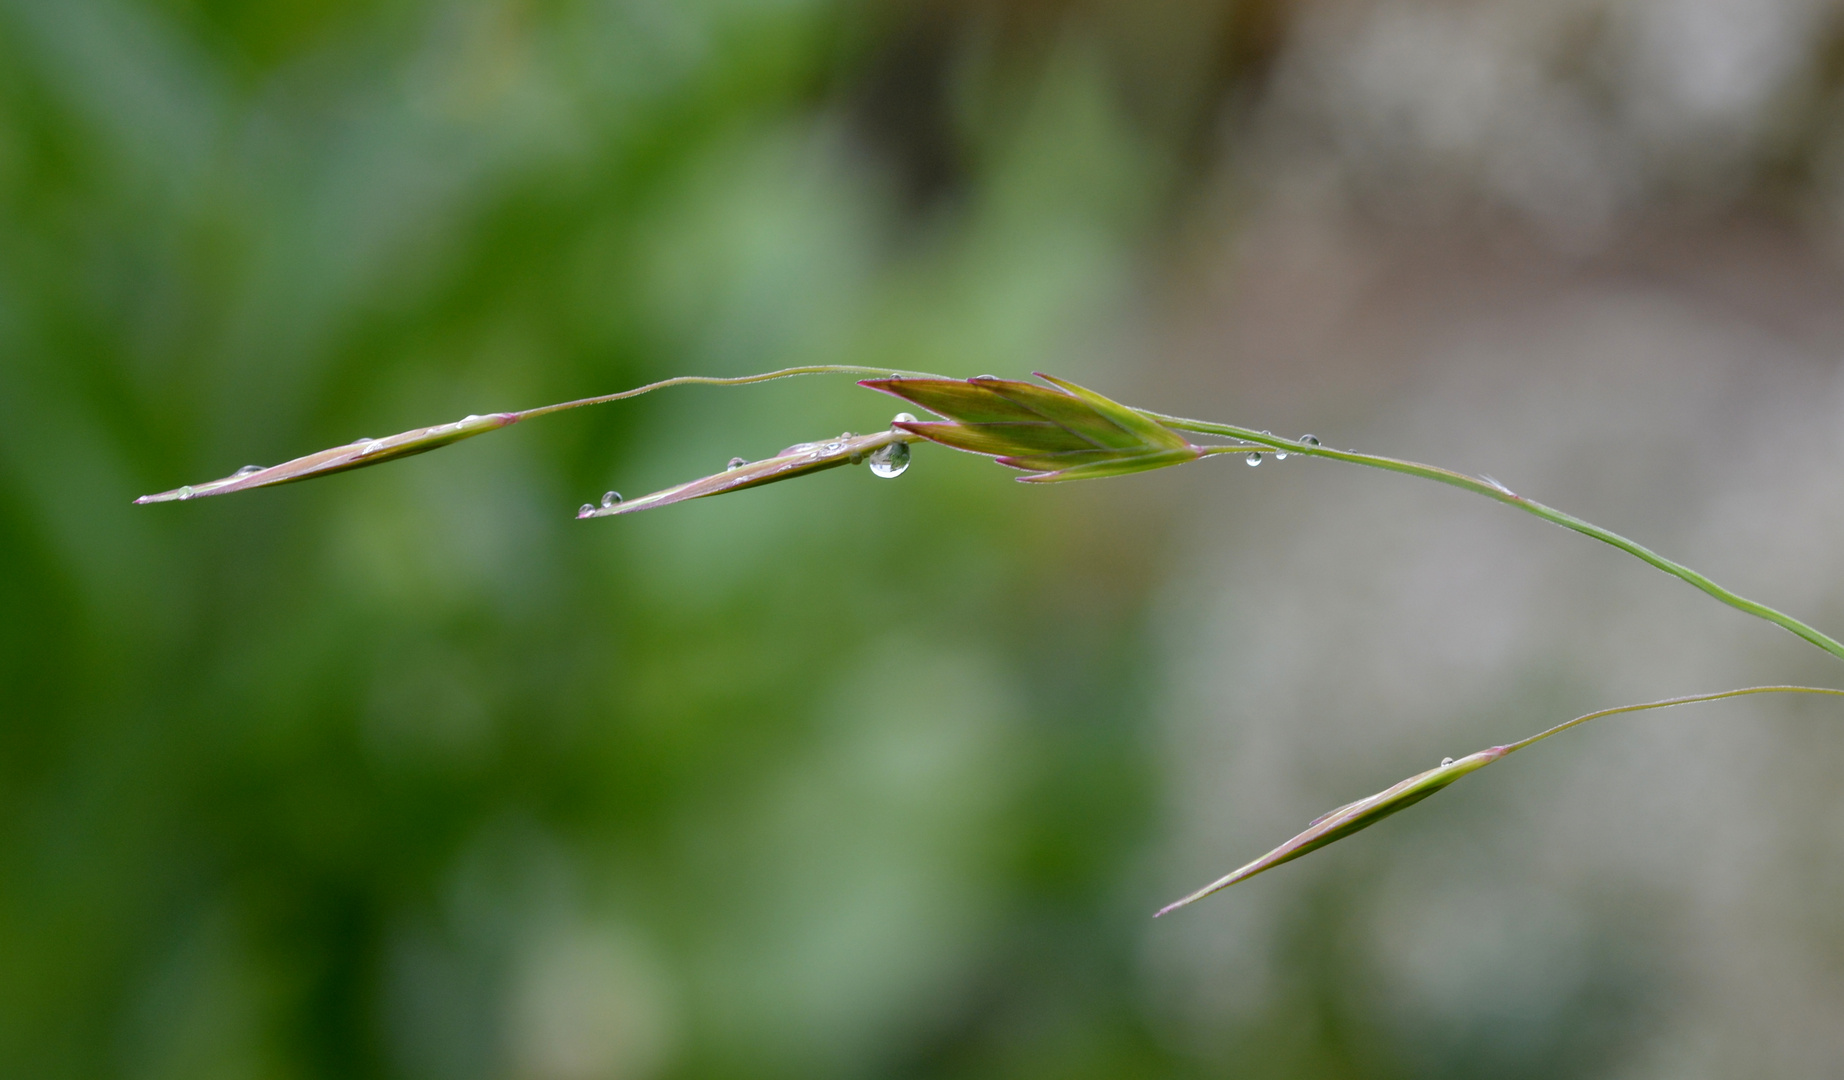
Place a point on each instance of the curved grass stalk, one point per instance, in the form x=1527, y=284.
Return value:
x=1492, y=489
x=1144, y=448
x=1337, y=824
x=717, y=380
x=1057, y=433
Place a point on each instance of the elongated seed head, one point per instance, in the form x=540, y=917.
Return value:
x=1056, y=432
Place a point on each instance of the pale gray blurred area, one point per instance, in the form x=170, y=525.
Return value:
x=1581, y=248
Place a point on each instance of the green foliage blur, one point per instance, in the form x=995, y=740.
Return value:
x=406, y=772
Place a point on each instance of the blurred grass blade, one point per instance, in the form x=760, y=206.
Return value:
x=797, y=460
x=354, y=455
x=1351, y=818
x=1060, y=432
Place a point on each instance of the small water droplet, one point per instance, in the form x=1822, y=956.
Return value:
x=736, y=463
x=610, y=498
x=833, y=447
x=1309, y=440
x=1254, y=458
x=902, y=418
x=187, y=492
x=585, y=510
x=844, y=436
x=982, y=378
x=469, y=418
x=1446, y=761
x=247, y=470
x=889, y=461
x=371, y=446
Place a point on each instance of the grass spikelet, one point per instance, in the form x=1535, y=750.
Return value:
x=797, y=460
x=1060, y=432
x=1337, y=824
x=365, y=452
x=1352, y=817
x=354, y=455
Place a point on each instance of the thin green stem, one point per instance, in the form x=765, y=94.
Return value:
x=713, y=380
x=1492, y=489
x=1692, y=699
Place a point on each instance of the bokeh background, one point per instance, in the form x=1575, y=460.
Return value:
x=406, y=773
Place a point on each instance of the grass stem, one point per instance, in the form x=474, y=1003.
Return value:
x=1496, y=491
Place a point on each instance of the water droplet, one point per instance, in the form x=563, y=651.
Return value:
x=902, y=418
x=833, y=448
x=736, y=463
x=1254, y=458
x=585, y=510
x=844, y=436
x=371, y=446
x=984, y=378
x=469, y=418
x=187, y=492
x=247, y=470
x=889, y=461
x=610, y=498
x=1446, y=761
x=1309, y=440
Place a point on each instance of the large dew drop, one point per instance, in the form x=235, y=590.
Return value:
x=248, y=470
x=1254, y=459
x=890, y=461
x=610, y=498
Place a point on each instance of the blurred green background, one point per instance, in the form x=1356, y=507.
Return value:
x=406, y=773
